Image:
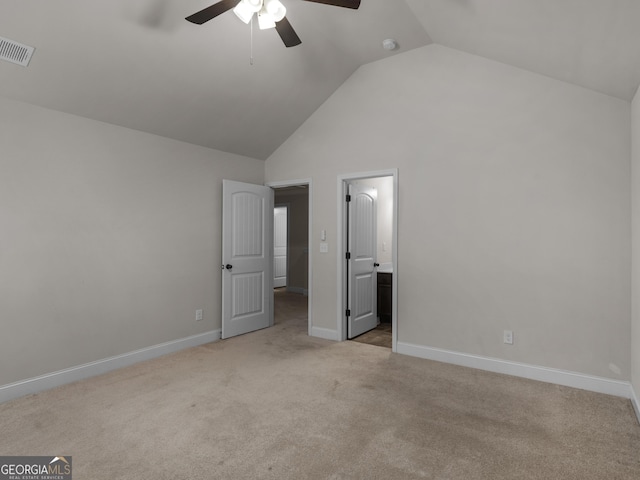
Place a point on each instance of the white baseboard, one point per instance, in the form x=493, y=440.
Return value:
x=635, y=402
x=300, y=290
x=80, y=372
x=533, y=372
x=325, y=333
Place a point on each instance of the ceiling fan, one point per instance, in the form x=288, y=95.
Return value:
x=271, y=14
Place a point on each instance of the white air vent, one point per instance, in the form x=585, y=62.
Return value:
x=15, y=52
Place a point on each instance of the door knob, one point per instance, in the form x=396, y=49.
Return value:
x=228, y=266
x=376, y=264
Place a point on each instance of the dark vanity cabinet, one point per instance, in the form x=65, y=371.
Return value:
x=384, y=296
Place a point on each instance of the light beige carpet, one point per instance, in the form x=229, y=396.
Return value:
x=277, y=404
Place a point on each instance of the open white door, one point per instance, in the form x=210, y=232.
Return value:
x=247, y=222
x=280, y=224
x=362, y=217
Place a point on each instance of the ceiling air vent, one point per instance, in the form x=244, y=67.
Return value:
x=15, y=52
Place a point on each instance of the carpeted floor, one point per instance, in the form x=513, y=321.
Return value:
x=277, y=404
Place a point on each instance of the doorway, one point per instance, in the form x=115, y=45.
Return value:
x=380, y=279
x=291, y=292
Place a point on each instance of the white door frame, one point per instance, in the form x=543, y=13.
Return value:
x=343, y=181
x=293, y=183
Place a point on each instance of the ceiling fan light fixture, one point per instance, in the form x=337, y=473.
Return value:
x=269, y=12
x=265, y=20
x=255, y=5
x=276, y=9
x=243, y=12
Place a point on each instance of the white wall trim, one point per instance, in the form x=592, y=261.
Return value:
x=325, y=333
x=635, y=402
x=533, y=372
x=80, y=372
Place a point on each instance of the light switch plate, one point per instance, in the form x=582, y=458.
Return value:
x=324, y=247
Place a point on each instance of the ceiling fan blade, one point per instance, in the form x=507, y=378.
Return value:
x=287, y=33
x=211, y=12
x=339, y=3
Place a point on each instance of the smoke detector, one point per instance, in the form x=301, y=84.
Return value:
x=15, y=52
x=389, y=44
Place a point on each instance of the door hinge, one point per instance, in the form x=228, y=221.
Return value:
x=347, y=312
x=348, y=198
x=348, y=255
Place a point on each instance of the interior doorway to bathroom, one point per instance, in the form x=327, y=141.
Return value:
x=367, y=273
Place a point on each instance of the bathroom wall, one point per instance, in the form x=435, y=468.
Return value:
x=384, y=187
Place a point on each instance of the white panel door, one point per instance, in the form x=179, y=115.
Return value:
x=247, y=222
x=280, y=246
x=362, y=298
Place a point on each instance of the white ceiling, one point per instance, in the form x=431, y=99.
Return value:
x=139, y=64
x=592, y=43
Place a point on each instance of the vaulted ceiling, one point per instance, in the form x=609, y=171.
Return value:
x=139, y=64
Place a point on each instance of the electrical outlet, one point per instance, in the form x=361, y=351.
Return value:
x=198, y=315
x=508, y=337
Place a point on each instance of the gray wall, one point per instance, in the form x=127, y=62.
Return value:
x=635, y=336
x=514, y=213
x=110, y=239
x=514, y=205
